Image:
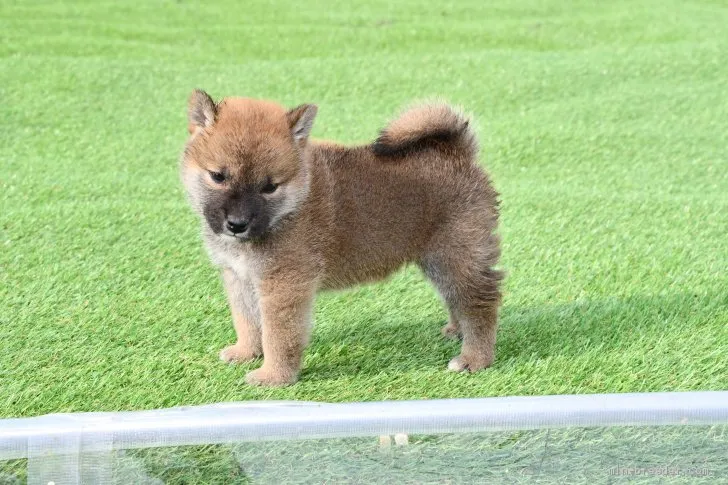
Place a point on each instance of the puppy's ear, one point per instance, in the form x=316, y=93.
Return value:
x=300, y=120
x=201, y=110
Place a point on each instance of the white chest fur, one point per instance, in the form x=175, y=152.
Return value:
x=231, y=254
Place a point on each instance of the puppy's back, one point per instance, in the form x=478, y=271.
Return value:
x=391, y=196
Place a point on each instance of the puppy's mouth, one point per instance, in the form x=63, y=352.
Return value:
x=252, y=234
x=234, y=237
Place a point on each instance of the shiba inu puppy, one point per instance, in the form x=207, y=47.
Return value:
x=284, y=217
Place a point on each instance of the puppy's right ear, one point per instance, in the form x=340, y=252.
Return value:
x=201, y=111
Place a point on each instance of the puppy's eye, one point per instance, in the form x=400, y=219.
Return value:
x=217, y=177
x=269, y=188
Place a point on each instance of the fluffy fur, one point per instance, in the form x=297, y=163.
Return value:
x=285, y=217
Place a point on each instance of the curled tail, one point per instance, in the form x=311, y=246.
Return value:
x=430, y=125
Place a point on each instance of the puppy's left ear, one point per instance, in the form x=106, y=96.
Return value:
x=300, y=120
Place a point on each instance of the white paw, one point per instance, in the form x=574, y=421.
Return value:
x=469, y=364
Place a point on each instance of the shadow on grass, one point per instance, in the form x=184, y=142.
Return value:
x=408, y=341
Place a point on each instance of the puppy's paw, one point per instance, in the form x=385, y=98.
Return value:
x=271, y=378
x=463, y=363
x=452, y=331
x=238, y=353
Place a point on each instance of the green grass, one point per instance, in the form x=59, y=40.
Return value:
x=603, y=125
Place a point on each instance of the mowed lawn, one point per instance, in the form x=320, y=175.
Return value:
x=603, y=124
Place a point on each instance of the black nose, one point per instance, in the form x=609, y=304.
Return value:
x=237, y=226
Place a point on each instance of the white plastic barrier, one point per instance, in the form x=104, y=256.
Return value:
x=80, y=448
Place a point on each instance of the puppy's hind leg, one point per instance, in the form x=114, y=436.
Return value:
x=479, y=325
x=451, y=329
x=470, y=287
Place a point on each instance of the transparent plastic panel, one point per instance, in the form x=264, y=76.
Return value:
x=580, y=455
x=636, y=454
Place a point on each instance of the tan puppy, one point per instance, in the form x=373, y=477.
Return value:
x=285, y=217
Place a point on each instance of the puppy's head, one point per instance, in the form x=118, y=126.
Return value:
x=243, y=166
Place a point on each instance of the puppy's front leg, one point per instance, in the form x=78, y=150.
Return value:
x=286, y=304
x=247, y=327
